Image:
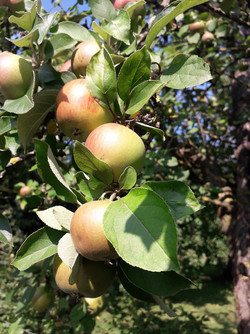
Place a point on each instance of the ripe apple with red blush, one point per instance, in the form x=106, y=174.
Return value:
x=25, y=191
x=207, y=37
x=87, y=232
x=66, y=67
x=78, y=114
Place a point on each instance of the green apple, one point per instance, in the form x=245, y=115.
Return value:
x=16, y=75
x=92, y=279
x=82, y=55
x=118, y=146
x=42, y=298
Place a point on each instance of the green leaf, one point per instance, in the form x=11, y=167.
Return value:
x=101, y=78
x=186, y=71
x=167, y=15
x=142, y=230
x=6, y=124
x=12, y=142
x=56, y=217
x=132, y=289
x=16, y=327
x=4, y=158
x=26, y=298
x=102, y=9
x=160, y=284
x=151, y=129
x=100, y=31
x=88, y=163
x=44, y=24
x=29, y=123
x=23, y=104
x=50, y=172
x=119, y=27
x=27, y=40
x=66, y=250
x=74, y=30
x=133, y=6
x=141, y=94
x=58, y=43
x=86, y=185
x=5, y=230
x=135, y=70
x=26, y=20
x=128, y=178
x=37, y=247
x=178, y=196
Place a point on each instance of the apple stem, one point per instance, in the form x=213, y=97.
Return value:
x=164, y=307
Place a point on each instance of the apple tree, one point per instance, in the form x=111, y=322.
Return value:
x=93, y=105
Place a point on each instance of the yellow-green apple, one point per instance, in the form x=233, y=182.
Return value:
x=92, y=279
x=82, y=55
x=87, y=232
x=118, y=146
x=16, y=74
x=77, y=112
x=42, y=298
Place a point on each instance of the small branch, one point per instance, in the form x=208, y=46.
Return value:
x=233, y=17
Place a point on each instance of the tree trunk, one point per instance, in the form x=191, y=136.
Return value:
x=239, y=236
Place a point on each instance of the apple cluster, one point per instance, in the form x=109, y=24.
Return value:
x=82, y=118
x=200, y=26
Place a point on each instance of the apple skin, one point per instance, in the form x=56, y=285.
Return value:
x=207, y=37
x=93, y=278
x=197, y=26
x=16, y=75
x=87, y=232
x=118, y=146
x=95, y=304
x=82, y=55
x=118, y=4
x=77, y=112
x=42, y=298
x=66, y=67
x=24, y=191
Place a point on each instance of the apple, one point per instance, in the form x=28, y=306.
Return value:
x=92, y=279
x=66, y=67
x=82, y=55
x=118, y=4
x=42, y=298
x=118, y=146
x=14, y=5
x=16, y=75
x=25, y=191
x=197, y=26
x=77, y=112
x=207, y=37
x=95, y=304
x=87, y=232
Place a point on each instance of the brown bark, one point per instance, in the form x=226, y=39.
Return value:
x=239, y=237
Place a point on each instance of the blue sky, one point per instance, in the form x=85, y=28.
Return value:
x=48, y=6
